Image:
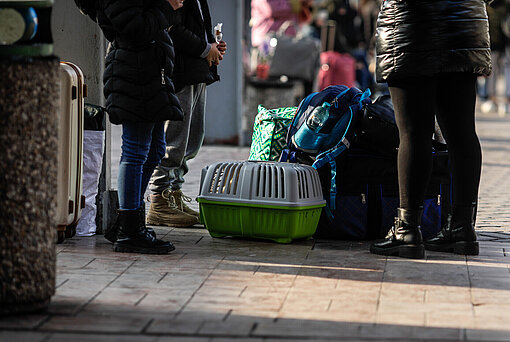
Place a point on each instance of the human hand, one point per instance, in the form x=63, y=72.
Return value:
x=214, y=56
x=222, y=47
x=176, y=4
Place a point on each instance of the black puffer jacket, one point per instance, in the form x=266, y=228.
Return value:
x=427, y=37
x=190, y=42
x=137, y=83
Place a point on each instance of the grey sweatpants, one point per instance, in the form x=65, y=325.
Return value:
x=183, y=140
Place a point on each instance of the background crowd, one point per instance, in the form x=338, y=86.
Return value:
x=353, y=23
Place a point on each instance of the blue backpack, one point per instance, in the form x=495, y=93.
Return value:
x=324, y=126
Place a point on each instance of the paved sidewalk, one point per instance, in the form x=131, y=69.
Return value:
x=233, y=289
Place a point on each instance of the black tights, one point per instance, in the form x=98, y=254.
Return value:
x=451, y=97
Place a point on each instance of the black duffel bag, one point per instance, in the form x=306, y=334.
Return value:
x=377, y=130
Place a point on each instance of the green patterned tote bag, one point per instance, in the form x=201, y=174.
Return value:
x=270, y=132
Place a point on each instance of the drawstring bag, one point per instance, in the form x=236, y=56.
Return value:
x=270, y=132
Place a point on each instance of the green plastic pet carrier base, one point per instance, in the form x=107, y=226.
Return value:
x=280, y=224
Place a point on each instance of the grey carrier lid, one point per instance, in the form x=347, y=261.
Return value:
x=261, y=183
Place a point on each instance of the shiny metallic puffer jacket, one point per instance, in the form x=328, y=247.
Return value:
x=427, y=37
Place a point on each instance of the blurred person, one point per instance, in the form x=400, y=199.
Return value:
x=500, y=60
x=430, y=54
x=505, y=109
x=197, y=55
x=140, y=96
x=349, y=26
x=269, y=15
x=368, y=11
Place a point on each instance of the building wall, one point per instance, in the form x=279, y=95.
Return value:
x=79, y=40
x=224, y=98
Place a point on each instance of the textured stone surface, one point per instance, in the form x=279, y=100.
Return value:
x=29, y=94
x=219, y=290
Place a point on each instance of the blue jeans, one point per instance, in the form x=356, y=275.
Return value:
x=143, y=146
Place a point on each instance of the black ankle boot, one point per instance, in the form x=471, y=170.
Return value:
x=458, y=235
x=111, y=232
x=404, y=238
x=133, y=236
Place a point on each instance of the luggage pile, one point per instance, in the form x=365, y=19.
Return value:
x=352, y=142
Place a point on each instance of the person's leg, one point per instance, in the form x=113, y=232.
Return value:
x=164, y=209
x=456, y=117
x=136, y=142
x=156, y=153
x=176, y=135
x=505, y=109
x=133, y=237
x=196, y=133
x=413, y=101
x=195, y=141
x=491, y=104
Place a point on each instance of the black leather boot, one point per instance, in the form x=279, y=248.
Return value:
x=458, y=235
x=404, y=238
x=133, y=236
x=112, y=231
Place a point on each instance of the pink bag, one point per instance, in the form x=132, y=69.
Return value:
x=336, y=69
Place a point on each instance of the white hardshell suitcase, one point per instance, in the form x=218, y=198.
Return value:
x=70, y=200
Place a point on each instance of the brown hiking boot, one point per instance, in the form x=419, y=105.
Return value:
x=164, y=212
x=180, y=200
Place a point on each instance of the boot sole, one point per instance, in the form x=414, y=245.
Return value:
x=142, y=250
x=403, y=251
x=460, y=247
x=154, y=222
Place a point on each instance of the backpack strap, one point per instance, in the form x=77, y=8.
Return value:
x=330, y=155
x=285, y=155
x=302, y=106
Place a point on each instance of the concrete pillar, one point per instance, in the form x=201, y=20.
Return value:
x=29, y=99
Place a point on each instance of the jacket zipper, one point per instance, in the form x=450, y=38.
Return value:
x=163, y=76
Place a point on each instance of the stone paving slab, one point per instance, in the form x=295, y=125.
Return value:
x=219, y=290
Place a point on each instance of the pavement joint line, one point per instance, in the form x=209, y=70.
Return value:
x=253, y=327
x=199, y=239
x=330, y=301
x=292, y=285
x=227, y=315
x=141, y=298
x=104, y=287
x=471, y=296
x=88, y=263
x=163, y=277
x=144, y=329
x=62, y=283
x=43, y=321
x=380, y=286
x=198, y=289
x=245, y=287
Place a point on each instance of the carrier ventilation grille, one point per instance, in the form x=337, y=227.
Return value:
x=308, y=183
x=269, y=181
x=225, y=179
